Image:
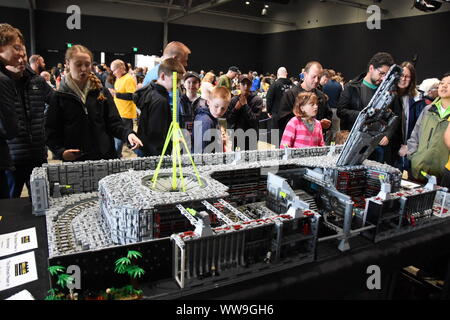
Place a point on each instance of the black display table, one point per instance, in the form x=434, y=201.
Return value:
x=16, y=215
x=335, y=275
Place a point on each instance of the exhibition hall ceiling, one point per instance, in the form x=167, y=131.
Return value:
x=256, y=16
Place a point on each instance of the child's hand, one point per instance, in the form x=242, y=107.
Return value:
x=134, y=141
x=325, y=123
x=403, y=150
x=384, y=141
x=71, y=154
x=242, y=100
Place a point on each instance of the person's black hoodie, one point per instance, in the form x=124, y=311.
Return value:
x=155, y=118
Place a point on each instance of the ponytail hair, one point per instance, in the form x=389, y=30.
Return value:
x=97, y=84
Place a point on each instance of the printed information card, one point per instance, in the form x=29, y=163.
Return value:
x=18, y=241
x=22, y=295
x=17, y=270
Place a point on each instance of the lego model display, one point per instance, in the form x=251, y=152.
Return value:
x=234, y=250
x=234, y=215
x=245, y=221
x=373, y=122
x=130, y=205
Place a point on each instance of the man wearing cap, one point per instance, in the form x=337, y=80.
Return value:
x=225, y=80
x=243, y=113
x=190, y=101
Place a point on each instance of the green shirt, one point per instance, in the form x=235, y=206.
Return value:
x=370, y=85
x=442, y=112
x=224, y=81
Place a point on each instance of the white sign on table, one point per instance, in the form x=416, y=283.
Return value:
x=18, y=241
x=22, y=295
x=17, y=270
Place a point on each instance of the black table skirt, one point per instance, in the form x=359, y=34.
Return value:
x=335, y=275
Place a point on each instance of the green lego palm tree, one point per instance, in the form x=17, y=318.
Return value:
x=125, y=265
x=63, y=280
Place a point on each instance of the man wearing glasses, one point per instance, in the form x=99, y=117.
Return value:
x=358, y=92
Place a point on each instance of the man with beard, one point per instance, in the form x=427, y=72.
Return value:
x=37, y=63
x=358, y=93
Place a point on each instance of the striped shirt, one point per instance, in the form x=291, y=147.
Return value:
x=297, y=135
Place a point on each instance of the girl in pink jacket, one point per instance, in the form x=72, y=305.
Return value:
x=303, y=130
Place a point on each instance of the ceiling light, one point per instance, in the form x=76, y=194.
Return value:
x=266, y=6
x=247, y=2
x=264, y=11
x=427, y=5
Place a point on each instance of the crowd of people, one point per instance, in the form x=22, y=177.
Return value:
x=81, y=110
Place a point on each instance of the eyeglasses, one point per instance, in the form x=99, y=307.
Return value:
x=382, y=73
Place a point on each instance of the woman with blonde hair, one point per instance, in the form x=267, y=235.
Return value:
x=207, y=85
x=82, y=118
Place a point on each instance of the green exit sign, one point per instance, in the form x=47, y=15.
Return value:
x=135, y=49
x=69, y=45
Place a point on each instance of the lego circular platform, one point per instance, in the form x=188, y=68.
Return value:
x=133, y=189
x=164, y=183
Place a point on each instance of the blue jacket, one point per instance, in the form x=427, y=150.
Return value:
x=204, y=121
x=255, y=84
x=415, y=109
x=333, y=90
x=398, y=138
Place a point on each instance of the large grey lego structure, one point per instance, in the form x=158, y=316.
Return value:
x=270, y=193
x=373, y=122
x=254, y=209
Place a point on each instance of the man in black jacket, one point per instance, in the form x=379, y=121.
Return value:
x=311, y=80
x=358, y=93
x=274, y=95
x=156, y=113
x=12, y=52
x=28, y=147
x=243, y=113
x=37, y=63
